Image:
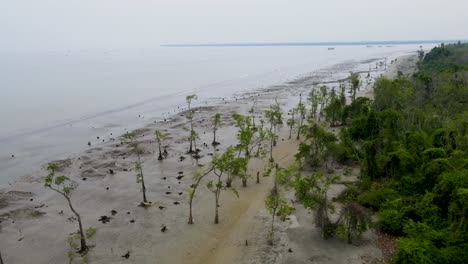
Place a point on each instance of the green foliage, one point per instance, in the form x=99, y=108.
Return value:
x=311, y=151
x=393, y=94
x=412, y=145
x=413, y=251
x=377, y=196
x=60, y=184
x=391, y=221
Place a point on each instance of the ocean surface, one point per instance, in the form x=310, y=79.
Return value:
x=53, y=103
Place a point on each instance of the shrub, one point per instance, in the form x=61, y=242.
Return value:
x=376, y=197
x=391, y=221
x=413, y=251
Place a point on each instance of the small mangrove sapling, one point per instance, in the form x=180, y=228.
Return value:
x=275, y=203
x=160, y=137
x=190, y=115
x=63, y=186
x=216, y=122
x=301, y=111
x=135, y=148
x=198, y=176
x=222, y=164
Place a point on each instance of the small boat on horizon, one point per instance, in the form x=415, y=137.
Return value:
x=331, y=48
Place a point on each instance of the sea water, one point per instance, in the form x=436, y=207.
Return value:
x=53, y=103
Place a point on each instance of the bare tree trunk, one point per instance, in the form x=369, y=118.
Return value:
x=258, y=177
x=143, y=187
x=216, y=220
x=228, y=182
x=271, y=150
x=299, y=128
x=84, y=247
x=272, y=234
x=190, y=219
x=160, y=152
x=244, y=182
x=214, y=136
x=191, y=135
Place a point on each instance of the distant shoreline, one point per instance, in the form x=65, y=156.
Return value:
x=331, y=43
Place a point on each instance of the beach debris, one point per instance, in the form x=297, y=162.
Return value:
x=84, y=178
x=179, y=177
x=39, y=206
x=104, y=219
x=180, y=193
x=164, y=178
x=113, y=212
x=31, y=199
x=176, y=203
x=290, y=250
x=89, y=143
x=132, y=221
x=111, y=171
x=128, y=213
x=181, y=158
x=180, y=172
x=246, y=243
x=107, y=188
x=97, y=137
x=161, y=207
x=127, y=255
x=12, y=155
x=163, y=228
x=168, y=192
x=179, y=182
x=125, y=169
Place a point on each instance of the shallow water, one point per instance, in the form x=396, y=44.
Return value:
x=54, y=103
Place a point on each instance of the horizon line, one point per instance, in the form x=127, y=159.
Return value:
x=320, y=43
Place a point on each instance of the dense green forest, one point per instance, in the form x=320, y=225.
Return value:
x=411, y=142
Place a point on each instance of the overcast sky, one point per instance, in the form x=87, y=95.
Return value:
x=114, y=24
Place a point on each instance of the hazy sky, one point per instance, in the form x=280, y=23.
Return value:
x=114, y=24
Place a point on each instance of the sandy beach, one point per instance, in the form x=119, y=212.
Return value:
x=35, y=221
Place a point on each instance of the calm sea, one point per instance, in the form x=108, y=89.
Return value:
x=52, y=103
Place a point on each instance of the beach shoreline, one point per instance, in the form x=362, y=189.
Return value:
x=37, y=221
